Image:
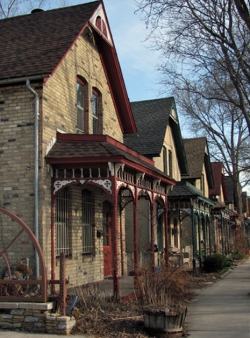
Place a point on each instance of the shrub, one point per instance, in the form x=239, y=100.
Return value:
x=170, y=288
x=216, y=263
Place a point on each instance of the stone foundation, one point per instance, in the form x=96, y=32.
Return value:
x=34, y=317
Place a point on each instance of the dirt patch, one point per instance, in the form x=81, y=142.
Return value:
x=100, y=317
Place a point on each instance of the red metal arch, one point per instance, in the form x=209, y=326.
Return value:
x=43, y=281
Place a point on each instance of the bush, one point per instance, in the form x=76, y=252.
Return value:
x=216, y=263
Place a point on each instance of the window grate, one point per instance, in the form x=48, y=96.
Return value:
x=62, y=223
x=87, y=244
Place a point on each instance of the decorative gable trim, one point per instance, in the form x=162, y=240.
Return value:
x=100, y=22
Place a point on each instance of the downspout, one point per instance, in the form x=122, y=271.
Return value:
x=36, y=167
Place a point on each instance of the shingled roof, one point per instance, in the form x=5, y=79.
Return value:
x=152, y=118
x=197, y=155
x=79, y=149
x=184, y=191
x=34, y=44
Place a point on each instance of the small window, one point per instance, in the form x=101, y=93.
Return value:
x=87, y=236
x=96, y=111
x=62, y=223
x=170, y=164
x=82, y=102
x=165, y=167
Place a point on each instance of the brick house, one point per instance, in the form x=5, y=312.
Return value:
x=223, y=227
x=65, y=170
x=191, y=198
x=158, y=138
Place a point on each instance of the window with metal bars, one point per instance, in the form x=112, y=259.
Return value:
x=62, y=223
x=87, y=238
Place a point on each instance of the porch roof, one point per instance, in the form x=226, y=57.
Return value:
x=185, y=191
x=80, y=150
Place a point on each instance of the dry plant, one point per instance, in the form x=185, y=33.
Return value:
x=169, y=289
x=100, y=315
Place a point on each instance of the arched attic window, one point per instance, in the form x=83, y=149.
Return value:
x=82, y=104
x=100, y=24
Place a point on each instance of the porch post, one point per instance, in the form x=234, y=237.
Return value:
x=121, y=240
x=52, y=213
x=152, y=217
x=210, y=235
x=116, y=288
x=166, y=231
x=193, y=235
x=199, y=238
x=136, y=244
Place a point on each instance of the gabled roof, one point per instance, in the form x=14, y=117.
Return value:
x=152, y=118
x=33, y=46
x=81, y=150
x=184, y=191
x=219, y=180
x=197, y=156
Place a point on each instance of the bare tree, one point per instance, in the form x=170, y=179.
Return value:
x=199, y=39
x=227, y=135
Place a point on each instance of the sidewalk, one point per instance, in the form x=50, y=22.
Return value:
x=223, y=309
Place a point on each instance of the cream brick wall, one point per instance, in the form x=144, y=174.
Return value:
x=57, y=111
x=169, y=145
x=17, y=166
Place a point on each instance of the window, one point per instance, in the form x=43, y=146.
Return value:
x=96, y=111
x=62, y=223
x=87, y=243
x=165, y=167
x=82, y=90
x=202, y=187
x=170, y=164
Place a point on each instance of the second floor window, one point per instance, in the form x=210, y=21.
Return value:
x=96, y=111
x=165, y=167
x=170, y=164
x=81, y=104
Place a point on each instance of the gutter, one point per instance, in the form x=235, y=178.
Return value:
x=36, y=168
x=22, y=79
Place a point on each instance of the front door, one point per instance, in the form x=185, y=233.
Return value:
x=107, y=239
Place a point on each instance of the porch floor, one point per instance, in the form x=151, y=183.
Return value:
x=126, y=287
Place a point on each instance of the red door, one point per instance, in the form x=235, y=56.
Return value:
x=107, y=239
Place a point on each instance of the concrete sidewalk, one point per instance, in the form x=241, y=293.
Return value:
x=223, y=309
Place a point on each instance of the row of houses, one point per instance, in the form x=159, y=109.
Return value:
x=109, y=183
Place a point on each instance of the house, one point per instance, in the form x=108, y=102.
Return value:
x=158, y=138
x=222, y=227
x=191, y=198
x=65, y=168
